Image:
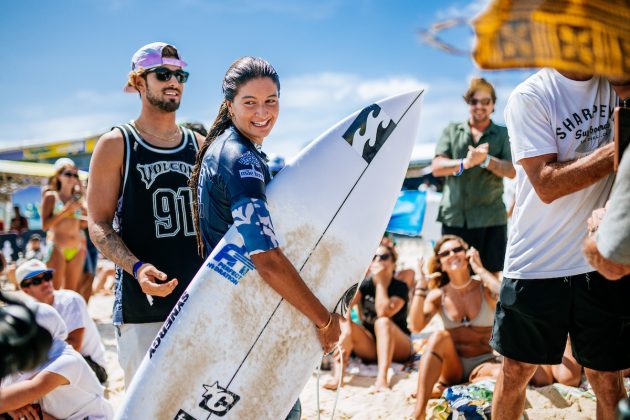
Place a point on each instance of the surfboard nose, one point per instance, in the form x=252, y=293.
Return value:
x=405, y=105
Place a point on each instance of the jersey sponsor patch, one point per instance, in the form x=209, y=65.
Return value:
x=253, y=221
x=248, y=158
x=231, y=262
x=251, y=173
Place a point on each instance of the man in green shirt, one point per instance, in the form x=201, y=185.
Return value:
x=474, y=156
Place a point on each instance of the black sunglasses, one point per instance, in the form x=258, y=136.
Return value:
x=71, y=174
x=484, y=101
x=164, y=74
x=382, y=257
x=37, y=280
x=448, y=252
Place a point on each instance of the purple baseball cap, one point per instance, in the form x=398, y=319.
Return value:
x=150, y=56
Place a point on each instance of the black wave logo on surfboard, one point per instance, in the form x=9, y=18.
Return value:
x=369, y=131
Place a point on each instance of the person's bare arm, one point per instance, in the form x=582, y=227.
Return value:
x=75, y=338
x=423, y=308
x=490, y=282
x=18, y=395
x=609, y=269
x=102, y=196
x=277, y=271
x=502, y=168
x=552, y=179
x=477, y=155
x=444, y=166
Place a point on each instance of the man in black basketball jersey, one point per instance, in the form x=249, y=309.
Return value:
x=139, y=203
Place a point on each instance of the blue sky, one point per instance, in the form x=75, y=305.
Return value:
x=65, y=62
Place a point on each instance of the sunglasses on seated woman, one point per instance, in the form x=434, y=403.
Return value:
x=164, y=74
x=382, y=257
x=37, y=280
x=448, y=252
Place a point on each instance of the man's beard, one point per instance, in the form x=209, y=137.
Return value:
x=166, y=105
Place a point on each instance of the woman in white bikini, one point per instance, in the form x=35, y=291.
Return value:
x=63, y=216
x=464, y=294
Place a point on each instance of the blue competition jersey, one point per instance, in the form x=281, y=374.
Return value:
x=232, y=183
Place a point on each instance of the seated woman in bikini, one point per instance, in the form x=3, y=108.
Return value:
x=464, y=294
x=63, y=214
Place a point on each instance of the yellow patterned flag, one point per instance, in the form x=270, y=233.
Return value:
x=584, y=36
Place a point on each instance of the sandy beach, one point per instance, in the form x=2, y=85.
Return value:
x=355, y=400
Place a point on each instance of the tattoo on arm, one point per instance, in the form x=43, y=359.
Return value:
x=112, y=246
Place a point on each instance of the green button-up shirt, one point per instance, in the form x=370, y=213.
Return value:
x=474, y=199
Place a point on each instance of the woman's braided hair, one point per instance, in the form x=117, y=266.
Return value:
x=240, y=72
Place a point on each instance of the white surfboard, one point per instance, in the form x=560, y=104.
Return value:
x=232, y=347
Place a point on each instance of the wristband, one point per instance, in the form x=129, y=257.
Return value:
x=135, y=269
x=461, y=168
x=486, y=162
x=325, y=327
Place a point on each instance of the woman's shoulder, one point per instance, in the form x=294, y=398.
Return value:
x=437, y=293
x=50, y=195
x=232, y=147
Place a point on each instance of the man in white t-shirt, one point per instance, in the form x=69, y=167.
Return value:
x=560, y=128
x=34, y=279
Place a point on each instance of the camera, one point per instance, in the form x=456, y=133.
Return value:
x=24, y=344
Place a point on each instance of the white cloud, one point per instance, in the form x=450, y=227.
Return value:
x=459, y=10
x=377, y=89
x=82, y=113
x=312, y=103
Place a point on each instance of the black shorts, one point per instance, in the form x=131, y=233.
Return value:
x=533, y=318
x=490, y=241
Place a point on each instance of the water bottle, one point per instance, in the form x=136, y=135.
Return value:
x=7, y=251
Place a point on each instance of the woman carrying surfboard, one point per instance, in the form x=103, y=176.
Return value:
x=230, y=177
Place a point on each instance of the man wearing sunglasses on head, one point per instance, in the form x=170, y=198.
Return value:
x=474, y=156
x=139, y=203
x=35, y=279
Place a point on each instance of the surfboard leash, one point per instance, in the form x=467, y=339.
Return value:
x=343, y=305
x=319, y=369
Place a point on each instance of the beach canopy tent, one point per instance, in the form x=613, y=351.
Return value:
x=15, y=175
